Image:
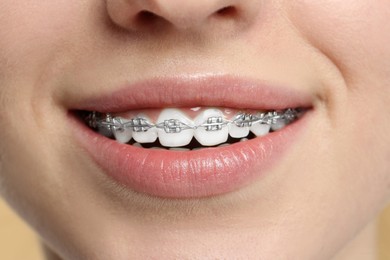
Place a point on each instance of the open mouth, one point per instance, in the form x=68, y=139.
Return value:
x=175, y=130
x=190, y=137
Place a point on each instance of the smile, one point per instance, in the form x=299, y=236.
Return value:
x=210, y=127
x=191, y=137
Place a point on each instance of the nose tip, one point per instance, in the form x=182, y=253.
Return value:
x=182, y=14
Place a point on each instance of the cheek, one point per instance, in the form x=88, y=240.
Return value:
x=32, y=33
x=34, y=39
x=26, y=26
x=353, y=34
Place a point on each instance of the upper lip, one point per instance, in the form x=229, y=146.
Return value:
x=198, y=90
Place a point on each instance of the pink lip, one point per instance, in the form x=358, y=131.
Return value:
x=195, y=91
x=200, y=173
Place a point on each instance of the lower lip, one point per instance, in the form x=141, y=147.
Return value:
x=190, y=174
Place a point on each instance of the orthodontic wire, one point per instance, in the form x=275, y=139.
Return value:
x=139, y=124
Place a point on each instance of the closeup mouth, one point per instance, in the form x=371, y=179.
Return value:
x=175, y=130
x=190, y=137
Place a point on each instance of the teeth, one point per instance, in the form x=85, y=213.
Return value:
x=174, y=129
x=150, y=136
x=123, y=135
x=105, y=131
x=260, y=129
x=278, y=125
x=174, y=137
x=214, y=131
x=238, y=132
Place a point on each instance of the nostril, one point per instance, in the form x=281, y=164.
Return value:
x=147, y=18
x=228, y=11
x=169, y=15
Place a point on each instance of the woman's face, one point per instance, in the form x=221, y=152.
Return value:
x=304, y=190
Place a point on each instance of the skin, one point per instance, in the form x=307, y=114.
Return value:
x=313, y=205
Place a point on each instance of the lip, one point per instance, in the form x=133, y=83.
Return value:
x=200, y=173
x=196, y=91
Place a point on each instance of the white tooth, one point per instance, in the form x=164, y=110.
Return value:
x=123, y=135
x=278, y=125
x=238, y=132
x=223, y=145
x=149, y=136
x=210, y=138
x=182, y=138
x=260, y=129
x=179, y=149
x=244, y=139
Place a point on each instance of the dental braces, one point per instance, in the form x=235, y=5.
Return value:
x=109, y=123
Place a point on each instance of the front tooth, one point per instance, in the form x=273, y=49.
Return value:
x=150, y=136
x=260, y=129
x=122, y=135
x=172, y=135
x=238, y=132
x=213, y=132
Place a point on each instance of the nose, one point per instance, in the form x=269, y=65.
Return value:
x=135, y=15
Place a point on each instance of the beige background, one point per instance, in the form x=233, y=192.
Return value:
x=18, y=242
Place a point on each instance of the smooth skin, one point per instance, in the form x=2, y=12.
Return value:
x=317, y=203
